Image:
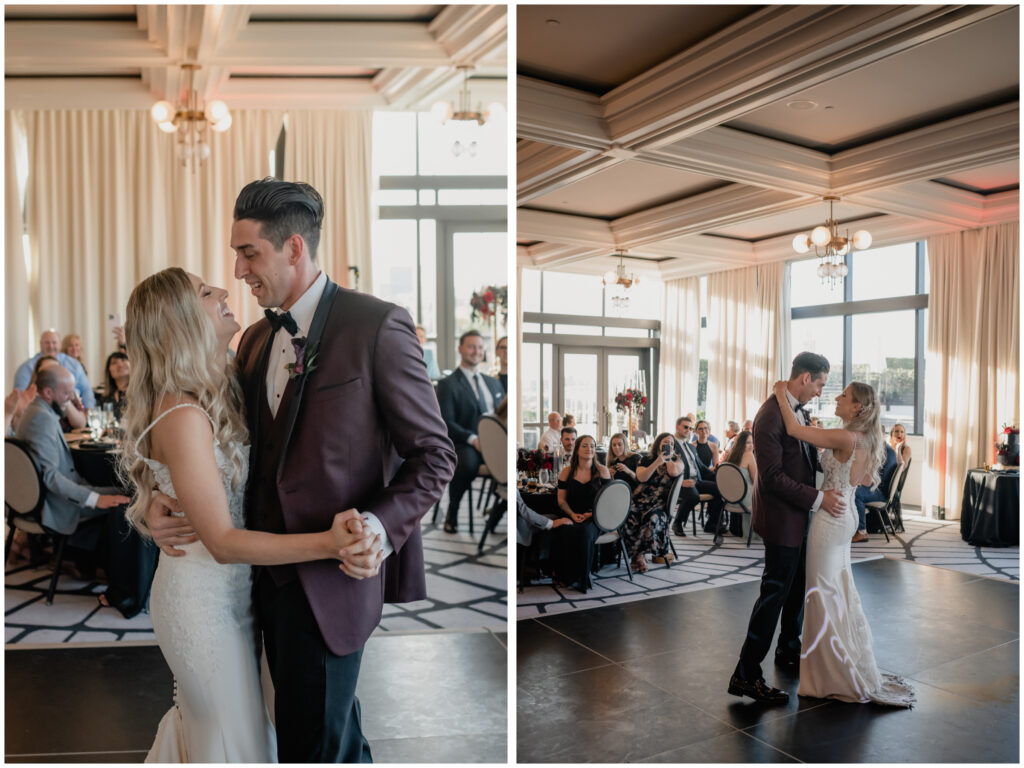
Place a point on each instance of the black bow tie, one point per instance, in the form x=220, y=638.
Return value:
x=801, y=408
x=283, y=320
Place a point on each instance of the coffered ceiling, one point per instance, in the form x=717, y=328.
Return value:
x=701, y=138
x=252, y=56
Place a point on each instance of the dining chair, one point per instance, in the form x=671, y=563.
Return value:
x=611, y=507
x=899, y=497
x=673, y=502
x=732, y=486
x=494, y=448
x=884, y=508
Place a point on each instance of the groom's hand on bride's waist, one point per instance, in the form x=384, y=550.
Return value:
x=832, y=501
x=168, y=524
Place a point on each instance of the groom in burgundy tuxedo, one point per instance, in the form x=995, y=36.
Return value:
x=784, y=498
x=342, y=416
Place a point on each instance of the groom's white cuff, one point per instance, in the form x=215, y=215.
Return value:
x=817, y=502
x=378, y=527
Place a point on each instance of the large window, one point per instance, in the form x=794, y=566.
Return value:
x=579, y=349
x=871, y=329
x=440, y=232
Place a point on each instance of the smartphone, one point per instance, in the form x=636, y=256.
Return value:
x=113, y=321
x=666, y=450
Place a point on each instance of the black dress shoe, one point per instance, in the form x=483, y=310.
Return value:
x=718, y=539
x=450, y=527
x=787, y=661
x=758, y=690
x=677, y=530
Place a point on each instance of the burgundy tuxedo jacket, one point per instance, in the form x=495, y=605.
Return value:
x=784, y=492
x=362, y=430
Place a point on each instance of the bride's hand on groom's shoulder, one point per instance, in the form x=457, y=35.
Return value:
x=780, y=389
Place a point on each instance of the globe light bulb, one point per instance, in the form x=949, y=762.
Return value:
x=861, y=239
x=843, y=270
x=844, y=249
x=223, y=124
x=820, y=236
x=801, y=244
x=216, y=111
x=610, y=277
x=203, y=150
x=441, y=110
x=167, y=127
x=162, y=111
x=457, y=148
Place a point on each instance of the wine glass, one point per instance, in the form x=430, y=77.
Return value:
x=94, y=420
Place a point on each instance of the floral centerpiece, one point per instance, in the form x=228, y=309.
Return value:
x=631, y=401
x=533, y=461
x=1008, y=446
x=487, y=303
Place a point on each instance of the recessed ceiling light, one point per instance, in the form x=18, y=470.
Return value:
x=802, y=105
x=552, y=22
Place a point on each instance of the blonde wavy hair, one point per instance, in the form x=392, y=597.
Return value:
x=173, y=349
x=869, y=424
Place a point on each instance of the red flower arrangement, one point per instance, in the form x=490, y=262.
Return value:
x=534, y=460
x=488, y=301
x=1008, y=447
x=631, y=399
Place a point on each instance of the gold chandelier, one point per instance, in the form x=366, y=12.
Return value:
x=190, y=121
x=831, y=247
x=620, y=279
x=443, y=111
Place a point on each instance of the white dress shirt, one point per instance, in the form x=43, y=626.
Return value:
x=283, y=353
x=550, y=440
x=802, y=418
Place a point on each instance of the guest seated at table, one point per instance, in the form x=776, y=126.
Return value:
x=568, y=420
x=568, y=440
x=71, y=345
x=118, y=370
x=578, y=483
x=428, y=354
x=72, y=416
x=731, y=430
x=864, y=494
x=621, y=461
x=706, y=450
x=68, y=499
x=697, y=479
x=49, y=344
x=742, y=455
x=898, y=441
x=748, y=426
x=533, y=534
x=647, y=525
x=501, y=351
x=551, y=436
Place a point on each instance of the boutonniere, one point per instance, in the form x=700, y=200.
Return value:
x=305, y=358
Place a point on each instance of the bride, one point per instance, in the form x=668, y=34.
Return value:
x=185, y=434
x=836, y=660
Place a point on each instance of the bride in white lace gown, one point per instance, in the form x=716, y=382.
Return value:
x=836, y=658
x=185, y=434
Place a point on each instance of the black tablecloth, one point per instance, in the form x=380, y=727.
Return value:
x=990, y=514
x=544, y=503
x=97, y=468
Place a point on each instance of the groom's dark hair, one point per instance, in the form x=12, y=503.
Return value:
x=809, y=362
x=283, y=209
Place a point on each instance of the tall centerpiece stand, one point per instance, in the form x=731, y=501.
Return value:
x=632, y=401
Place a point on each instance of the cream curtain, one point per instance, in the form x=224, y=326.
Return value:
x=748, y=327
x=680, y=352
x=516, y=332
x=331, y=150
x=17, y=309
x=107, y=205
x=973, y=355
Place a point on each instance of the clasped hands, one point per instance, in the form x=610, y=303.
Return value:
x=357, y=547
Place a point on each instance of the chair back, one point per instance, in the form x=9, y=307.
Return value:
x=494, y=446
x=896, y=483
x=23, y=482
x=903, y=477
x=611, y=505
x=673, y=495
x=732, y=485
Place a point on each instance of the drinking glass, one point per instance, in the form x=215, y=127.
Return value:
x=94, y=420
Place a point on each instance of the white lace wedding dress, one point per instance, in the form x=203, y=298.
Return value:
x=203, y=621
x=836, y=660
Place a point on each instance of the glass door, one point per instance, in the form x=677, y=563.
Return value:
x=587, y=380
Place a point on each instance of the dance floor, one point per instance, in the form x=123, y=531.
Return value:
x=426, y=698
x=645, y=681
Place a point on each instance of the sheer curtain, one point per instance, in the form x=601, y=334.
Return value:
x=331, y=150
x=973, y=355
x=17, y=309
x=680, y=351
x=107, y=205
x=748, y=325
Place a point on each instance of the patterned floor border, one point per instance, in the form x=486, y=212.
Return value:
x=465, y=591
x=704, y=566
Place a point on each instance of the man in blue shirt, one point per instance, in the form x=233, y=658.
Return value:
x=49, y=344
x=881, y=493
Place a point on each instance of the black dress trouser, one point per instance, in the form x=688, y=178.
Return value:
x=316, y=711
x=782, y=592
x=466, y=469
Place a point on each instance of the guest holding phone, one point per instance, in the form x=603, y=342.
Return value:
x=646, y=529
x=622, y=462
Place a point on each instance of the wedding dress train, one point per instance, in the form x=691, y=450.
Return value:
x=836, y=660
x=202, y=618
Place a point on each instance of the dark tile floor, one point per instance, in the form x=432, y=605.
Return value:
x=426, y=698
x=646, y=681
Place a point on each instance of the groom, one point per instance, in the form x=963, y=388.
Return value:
x=784, y=498
x=341, y=416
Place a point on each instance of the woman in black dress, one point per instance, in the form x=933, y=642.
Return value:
x=621, y=461
x=647, y=526
x=118, y=370
x=707, y=451
x=573, y=549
